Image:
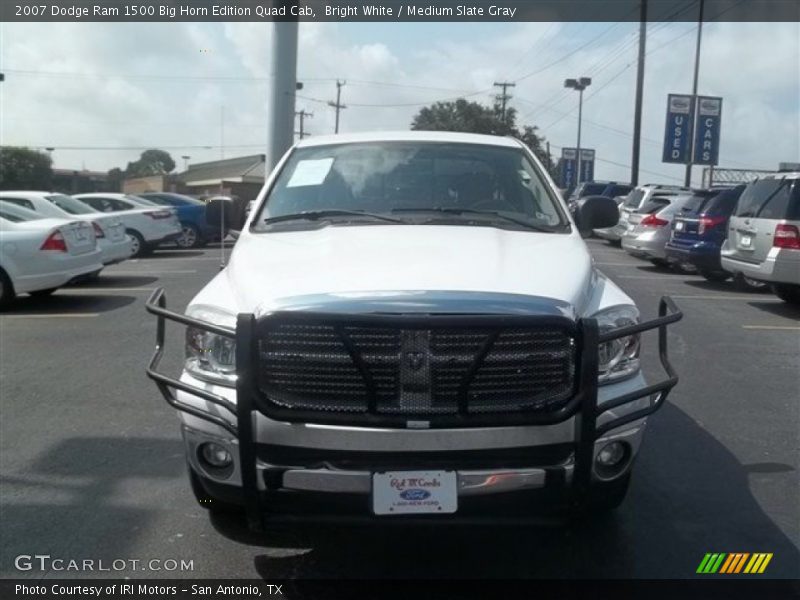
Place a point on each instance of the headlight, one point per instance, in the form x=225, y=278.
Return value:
x=619, y=358
x=209, y=356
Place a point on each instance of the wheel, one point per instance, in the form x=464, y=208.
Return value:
x=7, y=293
x=190, y=237
x=715, y=276
x=138, y=245
x=42, y=293
x=787, y=292
x=746, y=284
x=206, y=500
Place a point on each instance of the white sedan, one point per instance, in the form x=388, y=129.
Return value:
x=114, y=244
x=38, y=255
x=147, y=227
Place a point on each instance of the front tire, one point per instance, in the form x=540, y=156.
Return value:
x=190, y=237
x=7, y=293
x=787, y=292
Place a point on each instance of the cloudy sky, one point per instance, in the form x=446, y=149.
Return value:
x=101, y=92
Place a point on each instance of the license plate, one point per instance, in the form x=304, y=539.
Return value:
x=414, y=492
x=679, y=226
x=745, y=241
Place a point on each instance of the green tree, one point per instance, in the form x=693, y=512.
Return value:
x=115, y=178
x=151, y=162
x=24, y=169
x=473, y=117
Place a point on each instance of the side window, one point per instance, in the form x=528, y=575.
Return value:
x=93, y=202
x=20, y=202
x=117, y=204
x=777, y=206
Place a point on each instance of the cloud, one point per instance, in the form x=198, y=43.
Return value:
x=165, y=85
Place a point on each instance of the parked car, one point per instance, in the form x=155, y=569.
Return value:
x=114, y=245
x=699, y=229
x=637, y=198
x=649, y=228
x=39, y=255
x=763, y=240
x=147, y=227
x=195, y=231
x=611, y=189
x=409, y=328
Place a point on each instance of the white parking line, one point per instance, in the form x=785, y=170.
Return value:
x=772, y=327
x=52, y=316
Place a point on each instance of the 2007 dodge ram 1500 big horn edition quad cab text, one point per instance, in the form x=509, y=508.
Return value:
x=410, y=327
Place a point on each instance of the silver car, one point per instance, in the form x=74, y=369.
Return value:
x=634, y=201
x=648, y=229
x=764, y=235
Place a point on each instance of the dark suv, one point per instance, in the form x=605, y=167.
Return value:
x=699, y=229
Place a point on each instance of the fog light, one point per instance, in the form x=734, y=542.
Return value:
x=611, y=454
x=216, y=455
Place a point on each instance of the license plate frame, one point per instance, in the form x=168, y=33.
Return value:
x=414, y=492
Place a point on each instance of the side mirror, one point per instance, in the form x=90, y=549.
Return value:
x=596, y=212
x=220, y=212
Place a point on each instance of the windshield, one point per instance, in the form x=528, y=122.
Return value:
x=139, y=200
x=70, y=205
x=401, y=178
x=633, y=199
x=592, y=189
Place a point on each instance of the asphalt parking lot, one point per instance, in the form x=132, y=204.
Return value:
x=92, y=463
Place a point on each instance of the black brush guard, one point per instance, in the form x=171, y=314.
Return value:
x=249, y=398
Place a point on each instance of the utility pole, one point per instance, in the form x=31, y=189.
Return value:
x=302, y=114
x=504, y=97
x=222, y=132
x=637, y=113
x=338, y=104
x=688, y=179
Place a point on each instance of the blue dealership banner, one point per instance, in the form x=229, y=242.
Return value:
x=587, y=165
x=706, y=133
x=678, y=133
x=569, y=166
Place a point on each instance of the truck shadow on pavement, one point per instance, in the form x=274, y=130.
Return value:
x=64, y=302
x=781, y=309
x=689, y=496
x=83, y=498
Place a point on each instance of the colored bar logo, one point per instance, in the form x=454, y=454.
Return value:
x=735, y=562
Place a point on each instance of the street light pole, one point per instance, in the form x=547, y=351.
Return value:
x=688, y=179
x=579, y=84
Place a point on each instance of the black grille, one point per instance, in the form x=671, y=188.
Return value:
x=416, y=372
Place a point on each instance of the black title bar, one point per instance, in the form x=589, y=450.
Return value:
x=394, y=10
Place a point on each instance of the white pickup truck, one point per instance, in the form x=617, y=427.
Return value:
x=410, y=327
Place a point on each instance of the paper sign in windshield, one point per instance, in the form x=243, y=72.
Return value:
x=310, y=172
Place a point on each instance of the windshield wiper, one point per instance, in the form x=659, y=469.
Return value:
x=316, y=215
x=486, y=213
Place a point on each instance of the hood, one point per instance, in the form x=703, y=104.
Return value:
x=265, y=269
